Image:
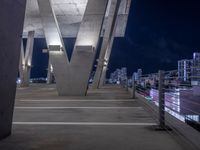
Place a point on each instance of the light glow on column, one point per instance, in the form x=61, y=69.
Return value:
x=85, y=42
x=54, y=41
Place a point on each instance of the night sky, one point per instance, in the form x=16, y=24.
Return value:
x=159, y=33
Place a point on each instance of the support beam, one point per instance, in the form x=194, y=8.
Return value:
x=50, y=78
x=105, y=67
x=21, y=60
x=72, y=78
x=109, y=31
x=26, y=60
x=50, y=75
x=86, y=44
x=109, y=48
x=57, y=57
x=12, y=18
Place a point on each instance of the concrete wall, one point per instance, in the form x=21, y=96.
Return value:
x=12, y=16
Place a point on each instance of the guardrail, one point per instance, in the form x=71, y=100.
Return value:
x=173, y=96
x=179, y=98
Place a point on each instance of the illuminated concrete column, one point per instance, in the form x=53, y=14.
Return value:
x=26, y=60
x=85, y=46
x=105, y=66
x=109, y=31
x=57, y=53
x=72, y=78
x=21, y=60
x=50, y=74
x=12, y=18
x=124, y=10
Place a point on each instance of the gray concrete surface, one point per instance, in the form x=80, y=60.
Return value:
x=106, y=119
x=69, y=14
x=11, y=27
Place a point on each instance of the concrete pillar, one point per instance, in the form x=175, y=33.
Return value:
x=105, y=66
x=26, y=60
x=57, y=52
x=109, y=31
x=21, y=60
x=12, y=18
x=125, y=8
x=50, y=79
x=86, y=44
x=72, y=78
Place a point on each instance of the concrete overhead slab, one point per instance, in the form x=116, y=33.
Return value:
x=11, y=27
x=69, y=14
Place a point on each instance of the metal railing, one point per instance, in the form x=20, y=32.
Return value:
x=172, y=94
x=175, y=102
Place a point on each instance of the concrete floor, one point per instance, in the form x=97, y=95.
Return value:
x=106, y=119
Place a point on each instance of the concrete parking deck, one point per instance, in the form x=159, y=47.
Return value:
x=106, y=119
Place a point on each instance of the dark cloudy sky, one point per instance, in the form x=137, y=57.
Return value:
x=159, y=33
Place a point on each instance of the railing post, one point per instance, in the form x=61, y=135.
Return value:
x=133, y=88
x=126, y=84
x=161, y=100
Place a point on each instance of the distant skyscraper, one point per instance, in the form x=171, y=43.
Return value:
x=123, y=73
x=196, y=68
x=135, y=76
x=118, y=76
x=184, y=69
x=139, y=73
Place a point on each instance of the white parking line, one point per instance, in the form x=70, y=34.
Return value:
x=76, y=100
x=85, y=123
x=78, y=108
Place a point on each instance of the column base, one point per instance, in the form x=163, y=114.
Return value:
x=5, y=135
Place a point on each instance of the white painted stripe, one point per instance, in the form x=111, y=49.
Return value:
x=85, y=123
x=78, y=107
x=76, y=100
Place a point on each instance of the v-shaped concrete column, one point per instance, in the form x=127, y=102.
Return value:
x=26, y=60
x=12, y=18
x=86, y=44
x=107, y=39
x=57, y=53
x=72, y=78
